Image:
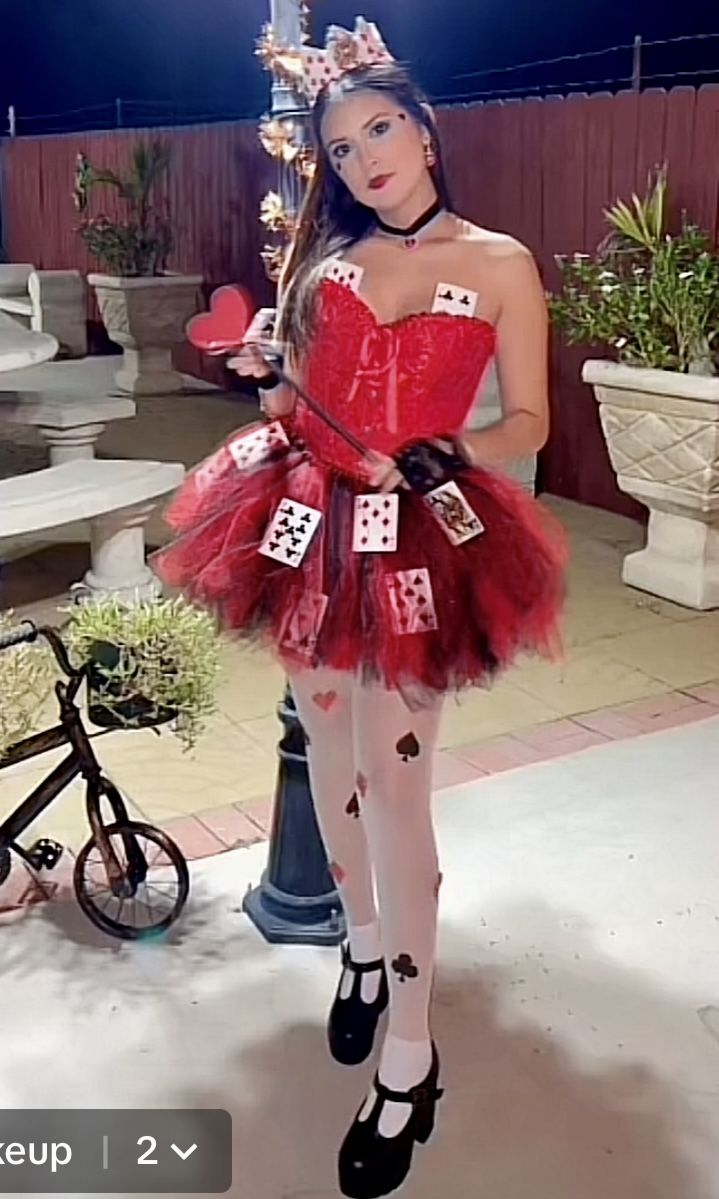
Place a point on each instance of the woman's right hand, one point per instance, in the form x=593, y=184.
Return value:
x=249, y=362
x=276, y=399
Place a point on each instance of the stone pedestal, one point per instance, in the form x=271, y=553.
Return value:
x=118, y=556
x=147, y=372
x=681, y=557
x=662, y=433
x=69, y=426
x=115, y=497
x=67, y=445
x=147, y=317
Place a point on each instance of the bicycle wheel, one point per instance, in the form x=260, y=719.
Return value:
x=156, y=877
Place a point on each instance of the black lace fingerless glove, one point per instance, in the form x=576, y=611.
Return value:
x=426, y=464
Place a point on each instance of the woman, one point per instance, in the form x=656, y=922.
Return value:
x=392, y=308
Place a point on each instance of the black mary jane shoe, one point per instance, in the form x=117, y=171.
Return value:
x=352, y=1022
x=371, y=1165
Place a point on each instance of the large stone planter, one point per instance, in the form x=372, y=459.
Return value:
x=147, y=317
x=662, y=432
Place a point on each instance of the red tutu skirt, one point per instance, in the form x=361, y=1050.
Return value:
x=429, y=616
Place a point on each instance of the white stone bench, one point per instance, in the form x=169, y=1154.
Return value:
x=116, y=497
x=47, y=302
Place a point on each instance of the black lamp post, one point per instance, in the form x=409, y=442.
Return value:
x=296, y=901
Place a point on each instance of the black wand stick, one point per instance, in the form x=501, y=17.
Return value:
x=272, y=355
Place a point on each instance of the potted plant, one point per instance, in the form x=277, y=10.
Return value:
x=652, y=296
x=26, y=676
x=144, y=307
x=148, y=664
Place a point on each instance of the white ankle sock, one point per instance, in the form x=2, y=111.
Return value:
x=365, y=944
x=403, y=1064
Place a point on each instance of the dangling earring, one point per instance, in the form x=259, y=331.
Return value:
x=429, y=155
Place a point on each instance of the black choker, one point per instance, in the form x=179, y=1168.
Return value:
x=409, y=235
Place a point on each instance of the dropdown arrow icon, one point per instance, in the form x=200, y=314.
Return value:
x=183, y=1153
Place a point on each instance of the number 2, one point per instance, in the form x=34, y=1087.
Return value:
x=144, y=1160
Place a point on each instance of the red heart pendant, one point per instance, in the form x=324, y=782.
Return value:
x=225, y=325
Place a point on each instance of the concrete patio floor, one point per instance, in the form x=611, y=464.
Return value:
x=576, y=1007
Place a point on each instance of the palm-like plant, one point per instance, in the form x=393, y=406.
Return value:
x=140, y=244
x=650, y=294
x=644, y=223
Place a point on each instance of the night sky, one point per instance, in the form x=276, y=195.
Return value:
x=192, y=59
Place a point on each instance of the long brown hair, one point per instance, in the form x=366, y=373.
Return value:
x=331, y=219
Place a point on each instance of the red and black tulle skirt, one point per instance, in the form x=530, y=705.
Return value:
x=430, y=615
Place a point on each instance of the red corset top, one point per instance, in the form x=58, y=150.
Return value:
x=409, y=379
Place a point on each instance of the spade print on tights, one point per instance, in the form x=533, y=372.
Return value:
x=353, y=808
x=408, y=747
x=404, y=967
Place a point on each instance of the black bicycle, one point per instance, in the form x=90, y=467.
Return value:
x=130, y=879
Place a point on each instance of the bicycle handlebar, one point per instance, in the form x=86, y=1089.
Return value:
x=26, y=632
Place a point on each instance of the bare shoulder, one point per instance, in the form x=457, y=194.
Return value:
x=490, y=245
x=503, y=271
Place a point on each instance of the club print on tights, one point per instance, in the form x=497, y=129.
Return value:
x=404, y=967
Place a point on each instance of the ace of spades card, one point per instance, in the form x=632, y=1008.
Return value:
x=256, y=445
x=457, y=301
x=375, y=524
x=290, y=532
x=454, y=513
x=301, y=629
x=410, y=594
